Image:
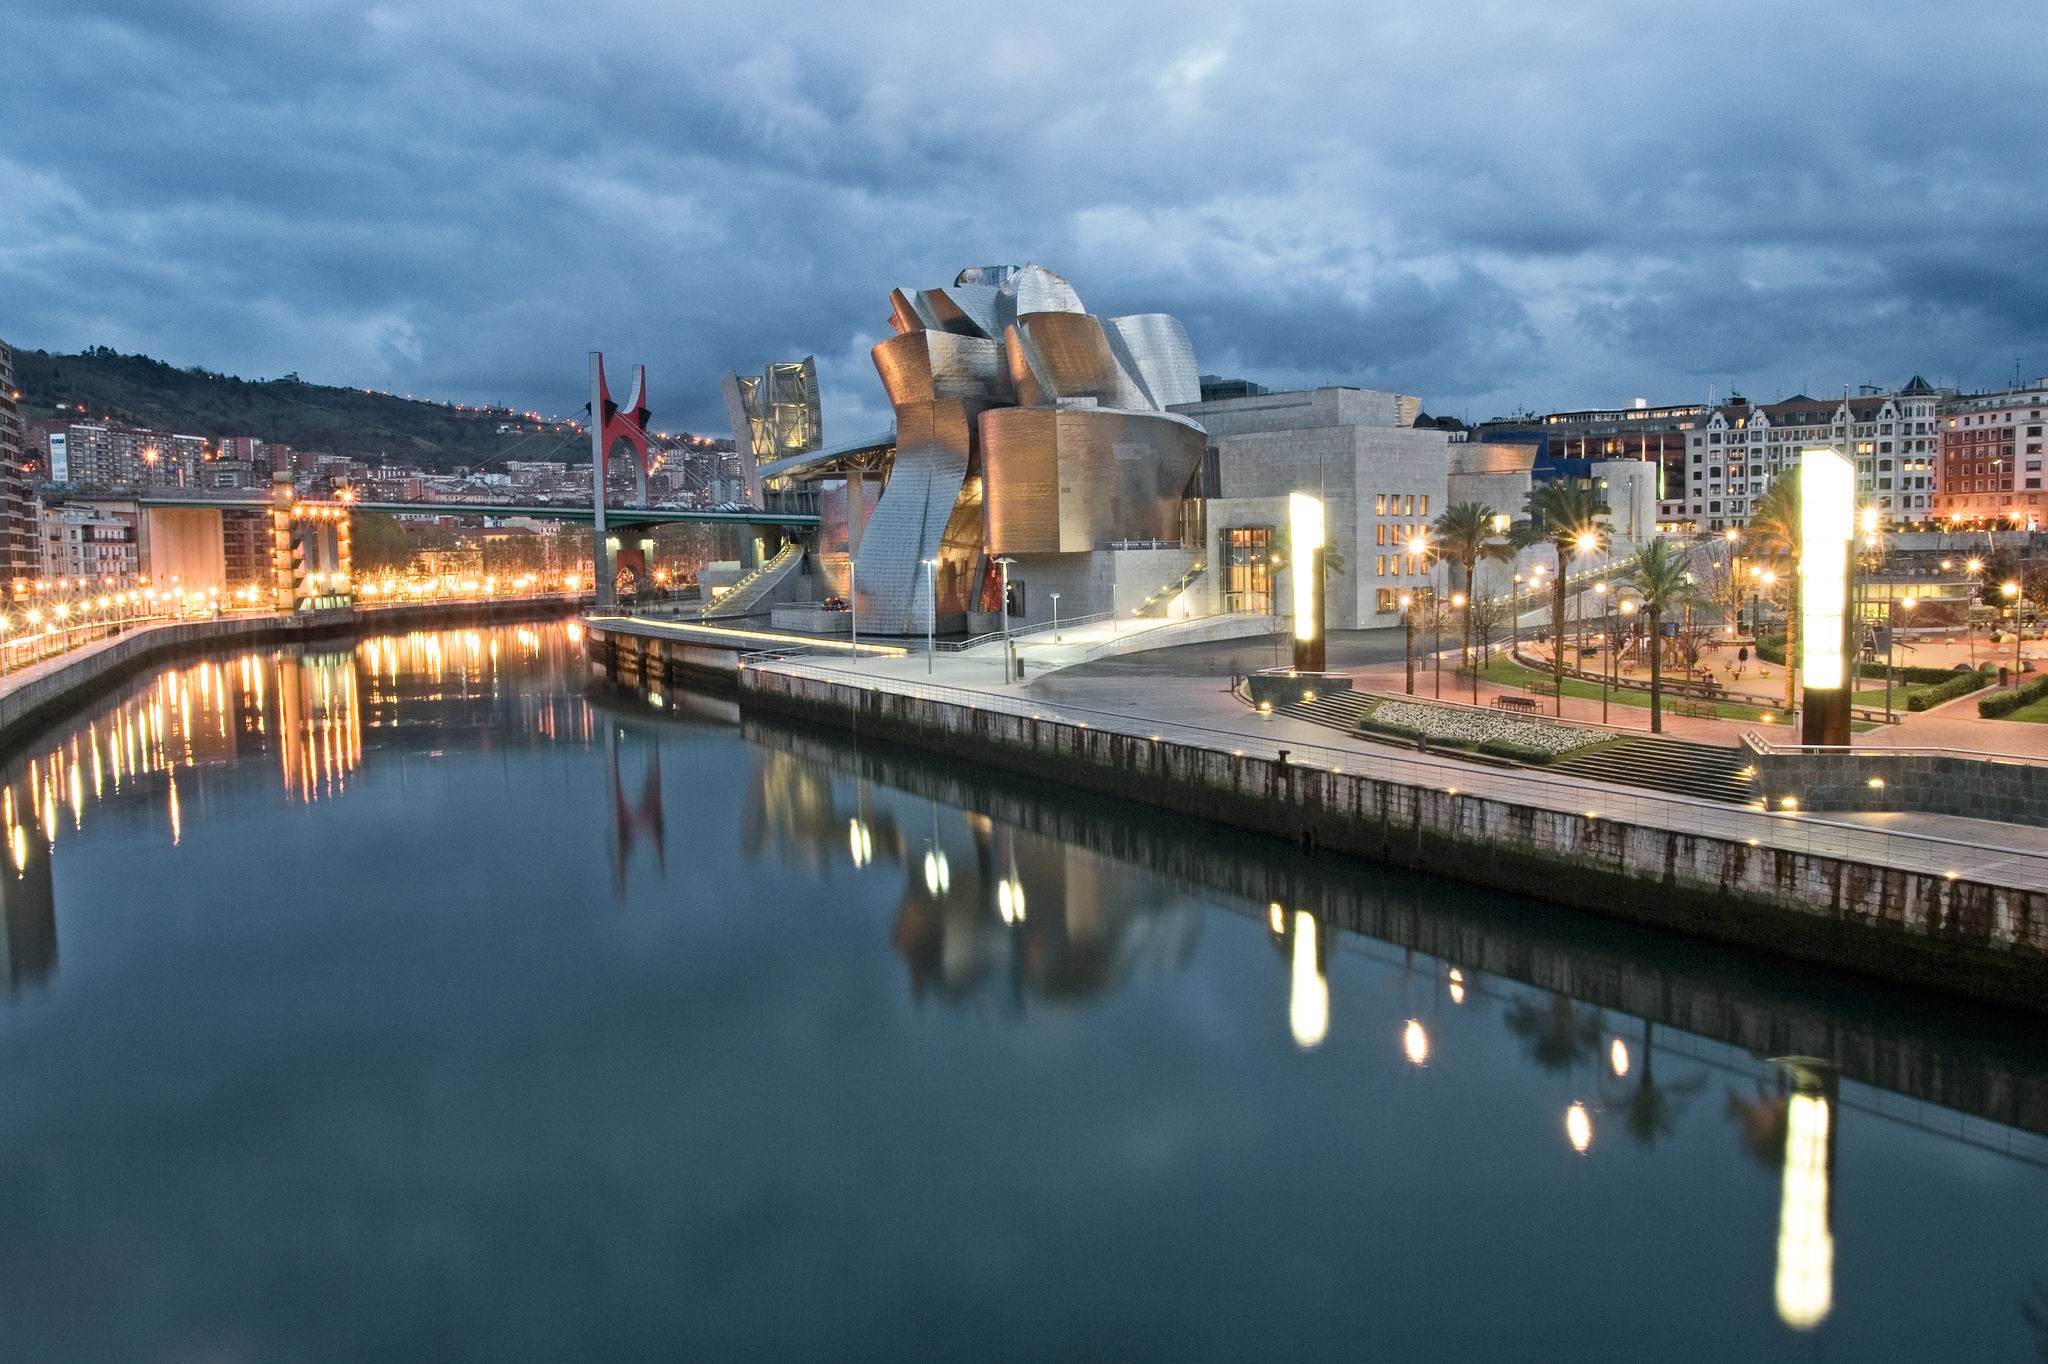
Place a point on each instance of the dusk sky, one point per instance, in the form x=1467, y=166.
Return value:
x=1493, y=206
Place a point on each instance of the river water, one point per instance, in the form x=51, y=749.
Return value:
x=405, y=1002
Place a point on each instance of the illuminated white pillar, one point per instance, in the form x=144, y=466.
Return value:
x=1305, y=517
x=1827, y=521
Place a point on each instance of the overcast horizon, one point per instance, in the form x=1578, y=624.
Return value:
x=1494, y=208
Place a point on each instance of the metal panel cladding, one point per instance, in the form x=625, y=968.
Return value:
x=1070, y=357
x=1156, y=350
x=1072, y=480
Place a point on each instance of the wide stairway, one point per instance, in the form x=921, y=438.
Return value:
x=1674, y=766
x=749, y=596
x=1703, y=771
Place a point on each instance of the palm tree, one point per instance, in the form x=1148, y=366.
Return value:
x=1465, y=534
x=1774, y=537
x=1567, y=517
x=1662, y=580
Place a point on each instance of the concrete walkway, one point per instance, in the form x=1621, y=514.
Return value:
x=1201, y=710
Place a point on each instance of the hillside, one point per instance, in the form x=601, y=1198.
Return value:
x=342, y=421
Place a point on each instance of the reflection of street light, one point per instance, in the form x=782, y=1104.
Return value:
x=1578, y=1127
x=1415, y=1042
x=1308, y=996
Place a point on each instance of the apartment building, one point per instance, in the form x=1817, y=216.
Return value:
x=19, y=554
x=1893, y=438
x=1990, y=459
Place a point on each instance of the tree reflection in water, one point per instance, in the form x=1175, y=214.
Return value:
x=1559, y=1036
x=1651, y=1111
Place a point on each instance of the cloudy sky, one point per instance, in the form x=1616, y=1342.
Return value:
x=1495, y=206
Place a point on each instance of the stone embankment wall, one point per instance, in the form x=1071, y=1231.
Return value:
x=1970, y=938
x=27, y=705
x=1924, y=783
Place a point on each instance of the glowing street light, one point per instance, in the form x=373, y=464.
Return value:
x=1305, y=518
x=1827, y=509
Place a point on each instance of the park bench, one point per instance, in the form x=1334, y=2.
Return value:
x=1698, y=710
x=1542, y=686
x=1527, y=703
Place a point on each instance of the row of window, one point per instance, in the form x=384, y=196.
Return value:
x=1400, y=504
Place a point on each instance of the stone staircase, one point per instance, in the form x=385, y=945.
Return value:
x=1703, y=771
x=749, y=596
x=1674, y=766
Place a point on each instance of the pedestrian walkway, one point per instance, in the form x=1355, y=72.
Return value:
x=1202, y=712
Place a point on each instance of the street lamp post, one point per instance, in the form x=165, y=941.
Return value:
x=2012, y=596
x=1055, y=617
x=1003, y=565
x=853, y=604
x=1408, y=630
x=1515, y=619
x=931, y=621
x=1464, y=654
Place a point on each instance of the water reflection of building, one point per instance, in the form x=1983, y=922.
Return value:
x=153, y=743
x=985, y=907
x=320, y=723
x=29, y=910
x=1034, y=916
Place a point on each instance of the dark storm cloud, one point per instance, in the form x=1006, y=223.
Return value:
x=1487, y=205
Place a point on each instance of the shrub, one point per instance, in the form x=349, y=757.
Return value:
x=1522, y=753
x=2006, y=702
x=1958, y=684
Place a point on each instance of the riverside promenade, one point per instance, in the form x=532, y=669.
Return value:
x=1956, y=904
x=33, y=695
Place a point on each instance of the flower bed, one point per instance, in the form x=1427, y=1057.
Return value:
x=1458, y=727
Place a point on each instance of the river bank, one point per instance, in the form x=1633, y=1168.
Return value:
x=1914, y=910
x=34, y=697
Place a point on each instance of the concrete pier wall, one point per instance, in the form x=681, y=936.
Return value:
x=1927, y=783
x=1955, y=934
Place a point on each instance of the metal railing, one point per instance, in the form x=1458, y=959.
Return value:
x=2004, y=865
x=961, y=646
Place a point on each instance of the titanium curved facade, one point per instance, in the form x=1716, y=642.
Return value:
x=1024, y=425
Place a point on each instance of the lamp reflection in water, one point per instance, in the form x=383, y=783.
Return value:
x=1578, y=1127
x=1308, y=995
x=1415, y=1042
x=1617, y=1057
x=1806, y=1246
x=1457, y=986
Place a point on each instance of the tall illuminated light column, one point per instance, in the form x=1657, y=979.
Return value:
x=1827, y=522
x=1305, y=516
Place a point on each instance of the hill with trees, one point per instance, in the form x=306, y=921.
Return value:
x=142, y=391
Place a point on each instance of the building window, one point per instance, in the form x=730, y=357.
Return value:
x=1248, y=569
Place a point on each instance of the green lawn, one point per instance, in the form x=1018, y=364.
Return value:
x=2035, y=714
x=1511, y=674
x=1874, y=697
